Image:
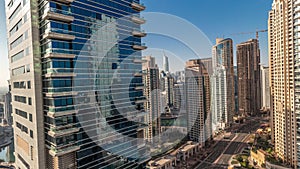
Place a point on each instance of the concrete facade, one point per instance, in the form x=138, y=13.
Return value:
x=153, y=95
x=198, y=100
x=284, y=79
x=249, y=86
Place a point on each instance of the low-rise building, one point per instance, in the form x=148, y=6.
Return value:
x=188, y=150
x=168, y=162
x=258, y=157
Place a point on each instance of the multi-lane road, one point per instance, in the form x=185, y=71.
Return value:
x=220, y=155
x=234, y=147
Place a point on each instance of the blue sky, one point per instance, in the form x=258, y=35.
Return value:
x=4, y=73
x=215, y=18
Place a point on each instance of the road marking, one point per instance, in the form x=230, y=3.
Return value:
x=239, y=149
x=216, y=161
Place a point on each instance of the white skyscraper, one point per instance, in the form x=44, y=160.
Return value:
x=166, y=63
x=265, y=88
x=222, y=82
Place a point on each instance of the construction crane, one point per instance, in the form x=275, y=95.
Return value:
x=256, y=32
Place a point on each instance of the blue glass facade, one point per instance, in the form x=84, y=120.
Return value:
x=92, y=110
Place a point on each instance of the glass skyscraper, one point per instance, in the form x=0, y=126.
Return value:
x=222, y=82
x=75, y=68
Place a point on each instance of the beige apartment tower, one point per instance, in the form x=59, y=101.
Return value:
x=284, y=67
x=153, y=97
x=26, y=80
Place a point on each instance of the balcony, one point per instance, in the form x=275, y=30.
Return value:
x=139, y=47
x=297, y=22
x=138, y=7
x=58, y=36
x=52, y=73
x=139, y=100
x=140, y=87
x=297, y=16
x=61, y=111
x=61, y=94
x=137, y=60
x=63, y=1
x=59, y=114
x=139, y=33
x=297, y=3
x=297, y=9
x=58, y=133
x=138, y=75
x=138, y=20
x=59, y=55
x=59, y=152
x=58, y=15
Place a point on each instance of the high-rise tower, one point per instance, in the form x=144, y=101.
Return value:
x=197, y=89
x=249, y=86
x=166, y=63
x=284, y=61
x=222, y=81
x=153, y=94
x=75, y=66
x=265, y=88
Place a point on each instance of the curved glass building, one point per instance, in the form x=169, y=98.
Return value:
x=75, y=68
x=222, y=81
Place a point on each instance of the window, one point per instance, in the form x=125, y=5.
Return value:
x=27, y=68
x=27, y=51
x=15, y=13
x=21, y=113
x=24, y=162
x=15, y=28
x=26, y=34
x=63, y=102
x=25, y=2
x=18, y=71
x=61, y=64
x=30, y=117
x=31, y=149
x=28, y=84
x=17, y=56
x=114, y=66
x=16, y=42
x=31, y=133
x=25, y=17
x=63, y=121
x=11, y=3
x=29, y=101
x=22, y=127
x=20, y=99
x=19, y=85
